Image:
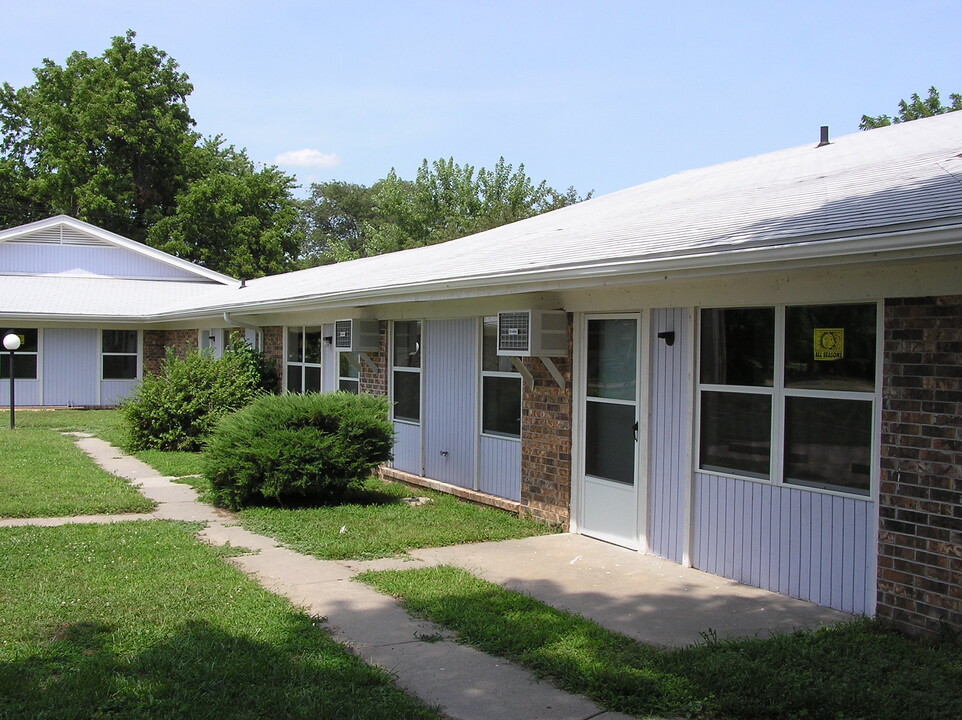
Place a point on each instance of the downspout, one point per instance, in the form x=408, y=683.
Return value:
x=259, y=334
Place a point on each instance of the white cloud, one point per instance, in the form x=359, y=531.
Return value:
x=307, y=158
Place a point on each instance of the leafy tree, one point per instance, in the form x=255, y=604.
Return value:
x=914, y=109
x=336, y=214
x=444, y=201
x=110, y=140
x=101, y=138
x=234, y=218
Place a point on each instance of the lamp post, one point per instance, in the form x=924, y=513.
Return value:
x=11, y=342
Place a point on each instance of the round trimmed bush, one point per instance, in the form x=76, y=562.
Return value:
x=297, y=448
x=178, y=407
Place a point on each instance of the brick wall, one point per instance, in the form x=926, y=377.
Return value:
x=546, y=441
x=273, y=349
x=374, y=382
x=156, y=343
x=920, y=496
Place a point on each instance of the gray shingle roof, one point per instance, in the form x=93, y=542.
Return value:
x=872, y=184
x=869, y=183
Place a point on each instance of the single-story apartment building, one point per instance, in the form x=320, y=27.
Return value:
x=751, y=368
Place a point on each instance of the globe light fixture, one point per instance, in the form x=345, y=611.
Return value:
x=11, y=342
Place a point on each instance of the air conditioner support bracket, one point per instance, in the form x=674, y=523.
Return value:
x=553, y=369
x=367, y=361
x=519, y=366
x=352, y=358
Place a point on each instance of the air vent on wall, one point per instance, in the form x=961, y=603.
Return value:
x=529, y=333
x=357, y=335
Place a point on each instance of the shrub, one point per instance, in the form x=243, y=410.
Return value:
x=296, y=448
x=177, y=408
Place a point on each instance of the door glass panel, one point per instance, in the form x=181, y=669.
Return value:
x=612, y=359
x=610, y=441
x=407, y=396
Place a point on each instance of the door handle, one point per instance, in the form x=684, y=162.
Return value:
x=635, y=429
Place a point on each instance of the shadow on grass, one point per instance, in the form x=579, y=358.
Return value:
x=199, y=671
x=366, y=495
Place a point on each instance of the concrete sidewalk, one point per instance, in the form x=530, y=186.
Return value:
x=653, y=600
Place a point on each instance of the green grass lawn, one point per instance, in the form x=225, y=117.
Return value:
x=139, y=620
x=44, y=474
x=847, y=671
x=373, y=523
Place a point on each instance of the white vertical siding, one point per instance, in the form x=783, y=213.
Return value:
x=669, y=469
x=407, y=448
x=449, y=382
x=500, y=467
x=329, y=360
x=113, y=391
x=71, y=366
x=26, y=392
x=809, y=545
x=79, y=260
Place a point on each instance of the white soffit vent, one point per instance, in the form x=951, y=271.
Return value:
x=357, y=335
x=528, y=333
x=60, y=235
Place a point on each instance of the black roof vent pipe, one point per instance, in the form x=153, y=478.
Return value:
x=823, y=137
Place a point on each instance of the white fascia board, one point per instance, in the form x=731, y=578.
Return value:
x=888, y=247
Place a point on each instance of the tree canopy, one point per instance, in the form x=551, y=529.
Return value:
x=110, y=140
x=445, y=201
x=913, y=109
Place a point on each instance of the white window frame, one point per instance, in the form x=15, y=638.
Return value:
x=511, y=374
x=351, y=359
x=21, y=353
x=137, y=355
x=302, y=330
x=417, y=370
x=779, y=394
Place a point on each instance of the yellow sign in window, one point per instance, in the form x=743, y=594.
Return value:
x=829, y=343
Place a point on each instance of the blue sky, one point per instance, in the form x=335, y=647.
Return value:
x=600, y=94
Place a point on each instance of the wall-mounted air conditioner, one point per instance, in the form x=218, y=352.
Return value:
x=357, y=335
x=530, y=333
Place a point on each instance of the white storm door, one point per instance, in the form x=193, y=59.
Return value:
x=610, y=422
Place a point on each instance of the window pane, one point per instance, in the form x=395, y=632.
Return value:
x=610, y=441
x=830, y=347
x=312, y=379
x=407, y=344
x=24, y=366
x=120, y=341
x=738, y=346
x=313, y=345
x=295, y=378
x=736, y=433
x=490, y=361
x=120, y=367
x=501, y=409
x=347, y=369
x=350, y=386
x=612, y=358
x=828, y=443
x=407, y=396
x=295, y=346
